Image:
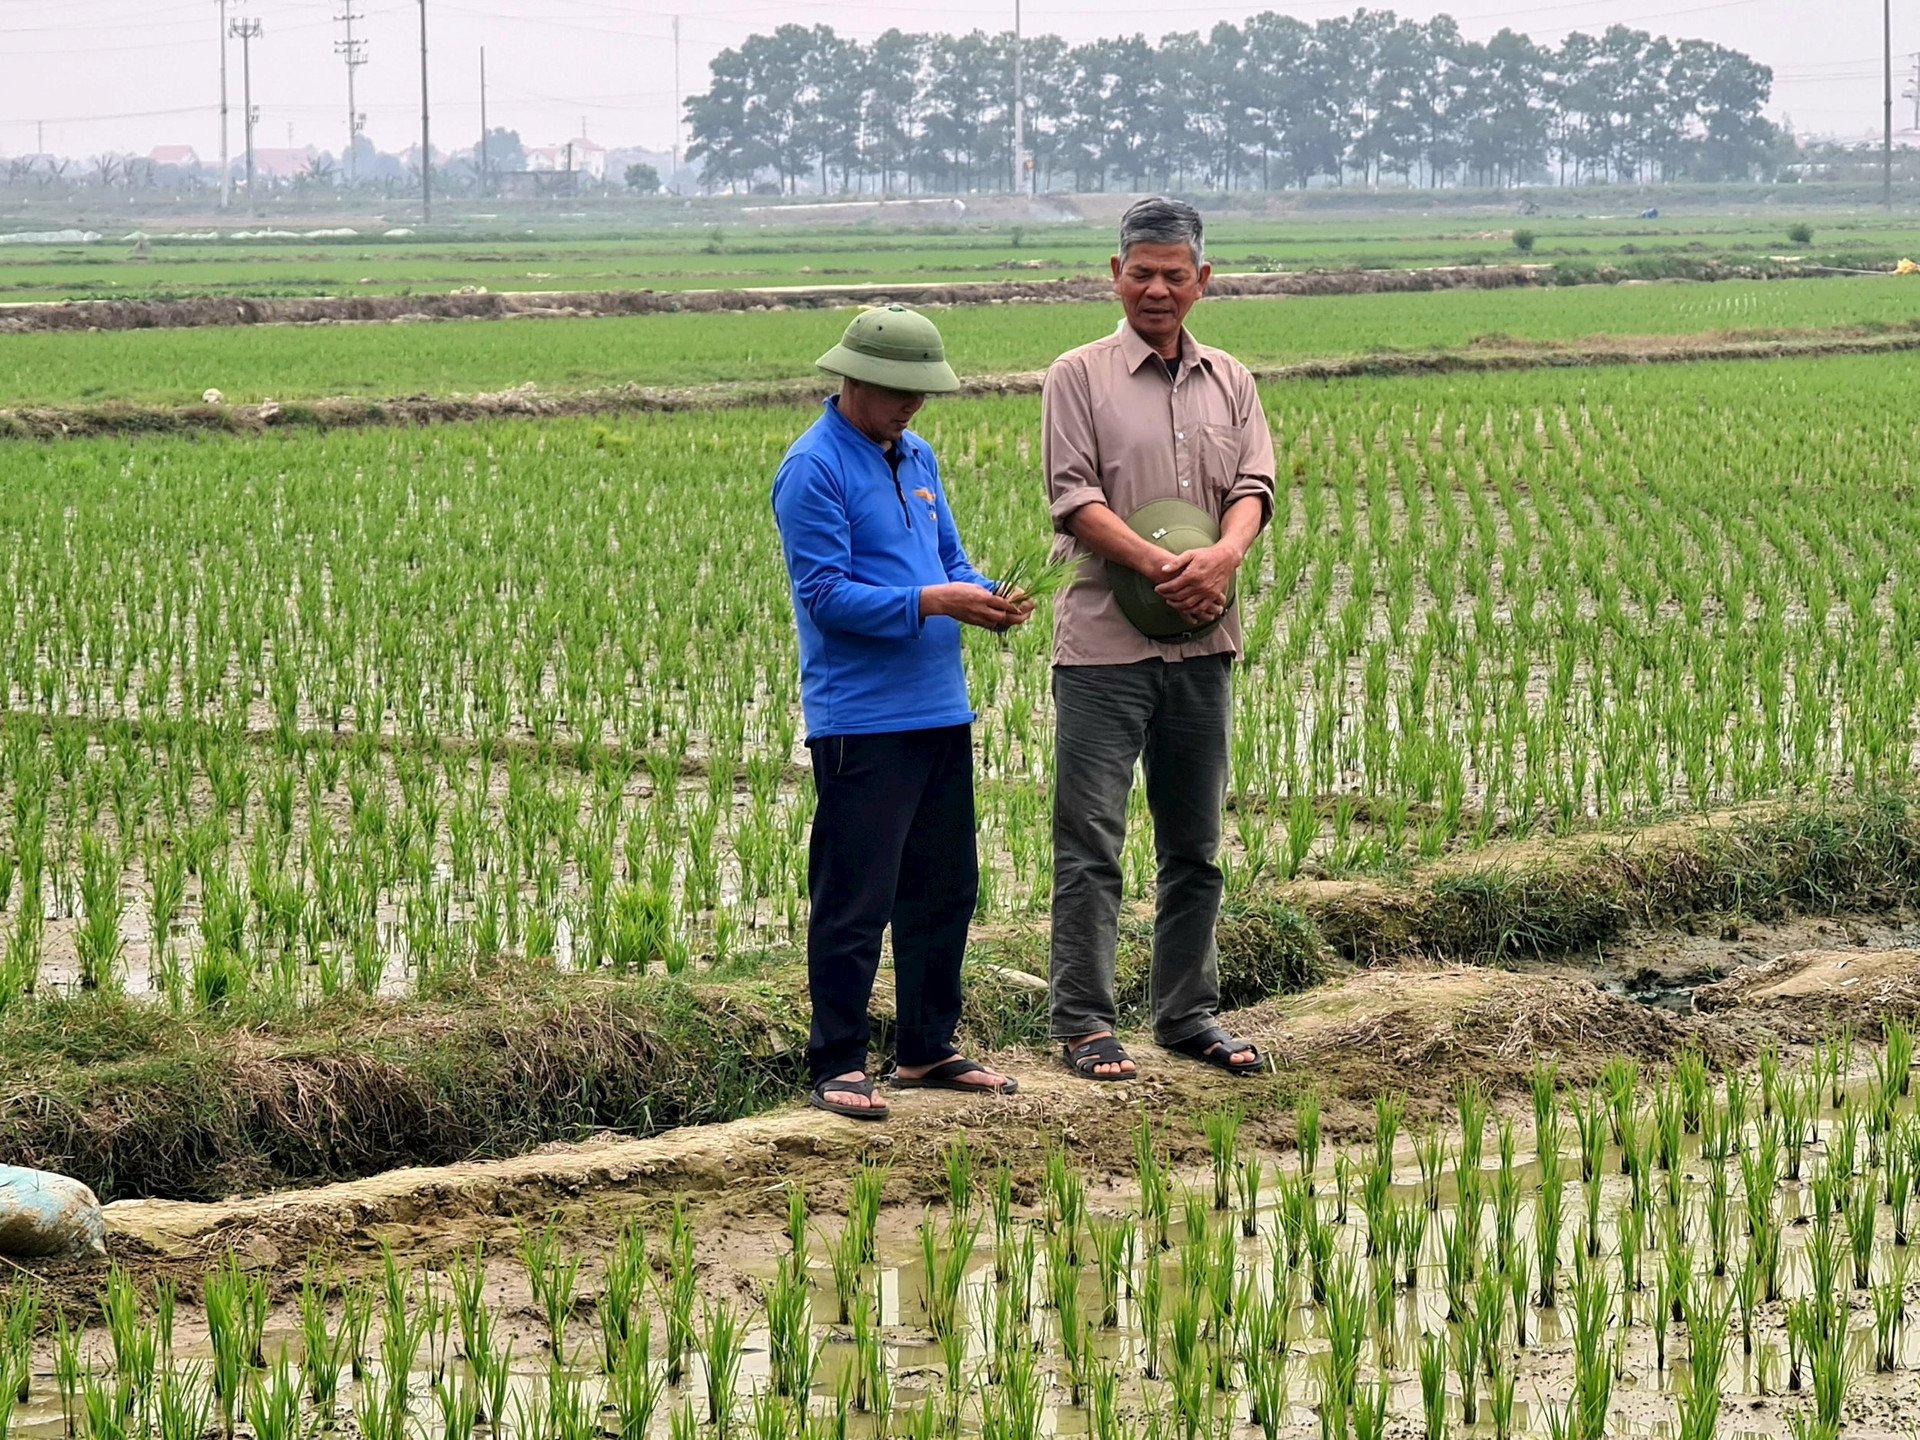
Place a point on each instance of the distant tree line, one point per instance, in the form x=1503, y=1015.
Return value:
x=1276, y=102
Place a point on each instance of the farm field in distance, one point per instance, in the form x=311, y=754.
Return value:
x=402, y=879
x=745, y=253
x=249, y=363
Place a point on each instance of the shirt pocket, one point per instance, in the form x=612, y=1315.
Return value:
x=1219, y=460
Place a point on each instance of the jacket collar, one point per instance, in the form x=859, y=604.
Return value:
x=1136, y=352
x=847, y=430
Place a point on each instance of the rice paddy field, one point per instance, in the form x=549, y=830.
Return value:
x=252, y=363
x=402, y=900
x=669, y=249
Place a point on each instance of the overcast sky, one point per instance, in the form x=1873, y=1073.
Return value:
x=132, y=74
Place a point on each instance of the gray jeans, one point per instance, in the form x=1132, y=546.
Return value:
x=1176, y=717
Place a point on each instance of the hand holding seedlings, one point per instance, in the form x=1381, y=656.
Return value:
x=972, y=605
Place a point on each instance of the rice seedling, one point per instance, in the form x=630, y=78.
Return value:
x=104, y=1407
x=724, y=1341
x=1465, y=1339
x=1590, y=1118
x=1066, y=1193
x=1474, y=1106
x=958, y=1161
x=1222, y=1129
x=1747, y=1292
x=1862, y=1213
x=678, y=1294
x=1500, y=1394
x=1620, y=1082
x=183, y=1404
x=1389, y=1110
x=1247, y=1172
x=793, y=1356
x=68, y=1371
x=945, y=1257
x=1430, y=1150
x=1149, y=1305
x=1506, y=1193
x=273, y=1402
x=1113, y=1247
x=1592, y=1361
x=1889, y=1317
x=1410, y=1237
x=1433, y=1385
x=1306, y=1133
x=323, y=1348
x=1154, y=1178
x=797, y=1246
x=1830, y=1359
x=458, y=1403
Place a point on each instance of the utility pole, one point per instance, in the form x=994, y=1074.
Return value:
x=676, y=99
x=427, y=143
x=354, y=52
x=1886, y=154
x=226, y=165
x=1913, y=92
x=1019, y=111
x=248, y=31
x=485, y=187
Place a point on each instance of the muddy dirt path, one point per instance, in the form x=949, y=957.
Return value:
x=478, y=304
x=1417, y=1029
x=530, y=402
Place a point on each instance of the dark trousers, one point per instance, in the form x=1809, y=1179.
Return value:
x=893, y=843
x=1175, y=719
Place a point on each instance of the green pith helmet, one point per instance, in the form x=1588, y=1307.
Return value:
x=1176, y=526
x=896, y=348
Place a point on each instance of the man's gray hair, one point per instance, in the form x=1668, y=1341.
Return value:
x=1157, y=220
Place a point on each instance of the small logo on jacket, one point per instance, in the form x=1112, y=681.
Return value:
x=927, y=495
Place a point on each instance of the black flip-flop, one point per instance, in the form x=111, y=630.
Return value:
x=1084, y=1059
x=1213, y=1046
x=946, y=1076
x=819, y=1101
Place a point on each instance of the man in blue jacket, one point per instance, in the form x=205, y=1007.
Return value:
x=881, y=587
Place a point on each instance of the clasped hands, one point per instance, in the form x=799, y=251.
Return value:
x=1195, y=583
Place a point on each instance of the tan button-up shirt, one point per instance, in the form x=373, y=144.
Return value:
x=1118, y=432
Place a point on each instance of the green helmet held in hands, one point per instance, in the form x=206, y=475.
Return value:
x=1174, y=526
x=894, y=348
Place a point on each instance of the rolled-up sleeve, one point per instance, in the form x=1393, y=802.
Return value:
x=817, y=537
x=1254, y=470
x=1069, y=448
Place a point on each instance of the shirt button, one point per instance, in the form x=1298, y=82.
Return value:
x=1185, y=483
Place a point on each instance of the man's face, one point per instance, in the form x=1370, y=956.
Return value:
x=1157, y=286
x=882, y=414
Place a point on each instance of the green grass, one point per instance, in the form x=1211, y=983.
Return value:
x=751, y=254
x=285, y=363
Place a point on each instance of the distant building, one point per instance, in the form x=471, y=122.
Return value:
x=583, y=156
x=183, y=156
x=534, y=184
x=279, y=164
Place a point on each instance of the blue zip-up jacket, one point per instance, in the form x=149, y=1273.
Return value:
x=859, y=551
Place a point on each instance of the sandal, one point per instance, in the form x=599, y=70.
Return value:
x=946, y=1076
x=819, y=1101
x=1085, y=1059
x=1213, y=1046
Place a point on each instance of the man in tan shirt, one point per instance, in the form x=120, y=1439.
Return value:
x=1147, y=414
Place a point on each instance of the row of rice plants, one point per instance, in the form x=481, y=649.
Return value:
x=1759, y=1218
x=322, y=703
